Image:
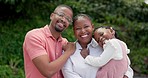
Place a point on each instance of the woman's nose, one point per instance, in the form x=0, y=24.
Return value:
x=83, y=30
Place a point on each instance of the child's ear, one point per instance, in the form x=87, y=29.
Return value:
x=112, y=31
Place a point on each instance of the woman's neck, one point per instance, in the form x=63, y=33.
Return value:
x=83, y=45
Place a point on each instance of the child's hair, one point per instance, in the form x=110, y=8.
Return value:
x=81, y=15
x=106, y=27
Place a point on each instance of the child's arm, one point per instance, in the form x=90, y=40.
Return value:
x=108, y=54
x=129, y=73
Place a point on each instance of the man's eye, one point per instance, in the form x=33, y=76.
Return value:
x=68, y=19
x=61, y=14
x=77, y=28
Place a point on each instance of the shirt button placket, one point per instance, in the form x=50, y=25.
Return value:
x=56, y=54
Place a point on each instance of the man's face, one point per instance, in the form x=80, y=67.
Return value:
x=61, y=18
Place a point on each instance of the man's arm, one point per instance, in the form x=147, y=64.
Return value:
x=48, y=69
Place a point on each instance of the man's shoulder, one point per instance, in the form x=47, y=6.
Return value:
x=34, y=33
x=64, y=40
x=35, y=30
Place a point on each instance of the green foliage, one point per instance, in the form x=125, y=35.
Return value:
x=11, y=41
x=68, y=34
x=128, y=17
x=138, y=60
x=8, y=72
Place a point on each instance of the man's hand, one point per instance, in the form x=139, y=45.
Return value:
x=70, y=47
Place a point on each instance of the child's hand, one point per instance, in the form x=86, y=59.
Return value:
x=84, y=52
x=125, y=76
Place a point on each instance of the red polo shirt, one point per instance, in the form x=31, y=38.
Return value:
x=41, y=42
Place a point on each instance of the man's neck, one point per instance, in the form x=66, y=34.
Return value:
x=54, y=33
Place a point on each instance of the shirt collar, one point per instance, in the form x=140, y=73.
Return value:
x=93, y=43
x=48, y=33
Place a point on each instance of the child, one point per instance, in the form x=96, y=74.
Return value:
x=113, y=61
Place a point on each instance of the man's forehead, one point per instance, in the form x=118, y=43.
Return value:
x=61, y=9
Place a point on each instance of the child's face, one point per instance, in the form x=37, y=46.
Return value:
x=102, y=34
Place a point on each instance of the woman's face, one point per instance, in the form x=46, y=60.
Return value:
x=102, y=34
x=83, y=29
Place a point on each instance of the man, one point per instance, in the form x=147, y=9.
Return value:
x=43, y=47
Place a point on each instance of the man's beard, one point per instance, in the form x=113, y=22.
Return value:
x=58, y=29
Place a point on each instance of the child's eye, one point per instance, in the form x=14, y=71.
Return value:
x=101, y=33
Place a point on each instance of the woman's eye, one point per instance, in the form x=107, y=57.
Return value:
x=86, y=26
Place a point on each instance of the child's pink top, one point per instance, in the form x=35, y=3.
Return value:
x=115, y=68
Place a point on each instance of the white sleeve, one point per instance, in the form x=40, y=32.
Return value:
x=127, y=50
x=129, y=73
x=68, y=72
x=104, y=58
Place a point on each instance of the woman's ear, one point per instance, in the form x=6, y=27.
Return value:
x=93, y=26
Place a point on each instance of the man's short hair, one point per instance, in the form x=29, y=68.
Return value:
x=65, y=6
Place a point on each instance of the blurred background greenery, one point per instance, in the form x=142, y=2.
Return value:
x=17, y=17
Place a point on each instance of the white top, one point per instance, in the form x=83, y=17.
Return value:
x=76, y=67
x=112, y=50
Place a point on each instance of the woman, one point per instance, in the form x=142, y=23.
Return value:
x=85, y=45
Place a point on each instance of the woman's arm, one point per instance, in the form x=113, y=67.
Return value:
x=68, y=71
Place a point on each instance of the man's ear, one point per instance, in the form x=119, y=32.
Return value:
x=51, y=16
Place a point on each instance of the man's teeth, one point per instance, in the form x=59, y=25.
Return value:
x=84, y=35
